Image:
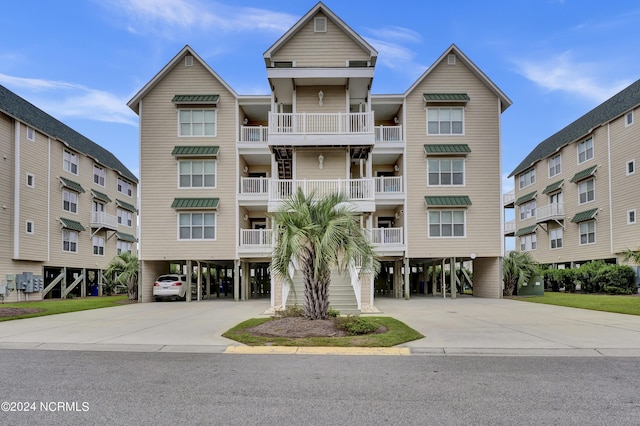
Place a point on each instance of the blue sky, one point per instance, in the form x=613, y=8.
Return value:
x=82, y=60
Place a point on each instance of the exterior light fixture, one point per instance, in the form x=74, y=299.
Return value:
x=321, y=161
x=320, y=98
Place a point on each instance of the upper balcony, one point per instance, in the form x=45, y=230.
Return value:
x=359, y=191
x=321, y=128
x=509, y=199
x=510, y=228
x=260, y=134
x=553, y=211
x=103, y=220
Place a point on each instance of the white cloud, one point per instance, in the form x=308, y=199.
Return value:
x=396, y=33
x=563, y=73
x=62, y=99
x=397, y=58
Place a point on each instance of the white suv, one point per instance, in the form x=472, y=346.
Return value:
x=170, y=285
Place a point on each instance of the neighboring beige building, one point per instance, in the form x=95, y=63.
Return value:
x=67, y=206
x=422, y=166
x=576, y=196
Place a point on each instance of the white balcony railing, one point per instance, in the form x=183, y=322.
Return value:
x=256, y=237
x=254, y=134
x=383, y=236
x=388, y=133
x=254, y=186
x=510, y=227
x=389, y=184
x=321, y=123
x=355, y=189
x=508, y=198
x=550, y=211
x=103, y=219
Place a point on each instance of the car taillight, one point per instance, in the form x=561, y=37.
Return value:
x=178, y=283
x=156, y=284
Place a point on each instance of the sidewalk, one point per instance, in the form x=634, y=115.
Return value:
x=465, y=326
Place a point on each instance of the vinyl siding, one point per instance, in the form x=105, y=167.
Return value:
x=335, y=164
x=6, y=191
x=333, y=101
x=159, y=135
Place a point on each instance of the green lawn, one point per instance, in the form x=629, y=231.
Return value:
x=52, y=307
x=597, y=302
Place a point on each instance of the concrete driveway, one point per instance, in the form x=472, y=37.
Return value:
x=465, y=326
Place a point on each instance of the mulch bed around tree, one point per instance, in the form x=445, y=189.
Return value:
x=301, y=327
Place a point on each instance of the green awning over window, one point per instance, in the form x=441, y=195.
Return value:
x=126, y=237
x=584, y=174
x=195, y=203
x=526, y=198
x=446, y=97
x=526, y=230
x=126, y=206
x=195, y=151
x=553, y=187
x=74, y=186
x=196, y=99
x=447, y=200
x=71, y=224
x=432, y=149
x=100, y=196
x=585, y=215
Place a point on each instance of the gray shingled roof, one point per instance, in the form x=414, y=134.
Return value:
x=17, y=107
x=619, y=104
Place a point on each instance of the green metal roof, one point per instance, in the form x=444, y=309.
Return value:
x=100, y=196
x=447, y=200
x=553, y=187
x=526, y=230
x=585, y=215
x=617, y=105
x=126, y=237
x=461, y=148
x=195, y=151
x=446, y=97
x=126, y=205
x=19, y=108
x=74, y=186
x=195, y=203
x=195, y=99
x=526, y=198
x=583, y=174
x=71, y=224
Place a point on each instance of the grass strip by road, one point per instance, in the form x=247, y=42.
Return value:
x=597, y=302
x=398, y=332
x=11, y=311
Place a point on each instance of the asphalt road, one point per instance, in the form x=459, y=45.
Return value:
x=74, y=387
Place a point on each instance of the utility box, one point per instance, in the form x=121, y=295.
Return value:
x=3, y=290
x=11, y=282
x=535, y=287
x=21, y=282
x=38, y=283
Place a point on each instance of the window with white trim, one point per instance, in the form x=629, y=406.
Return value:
x=197, y=226
x=197, y=122
x=555, y=238
x=31, y=180
x=555, y=198
x=31, y=134
x=98, y=245
x=586, y=191
x=447, y=223
x=587, y=232
x=125, y=217
x=527, y=178
x=123, y=246
x=555, y=165
x=628, y=119
x=528, y=210
x=631, y=167
x=320, y=24
x=70, y=162
x=97, y=207
x=631, y=217
x=197, y=174
x=69, y=240
x=29, y=227
x=445, y=172
x=99, y=175
x=69, y=201
x=585, y=150
x=528, y=242
x=445, y=121
x=125, y=187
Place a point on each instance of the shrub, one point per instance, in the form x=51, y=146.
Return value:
x=289, y=311
x=333, y=313
x=617, y=279
x=587, y=276
x=357, y=325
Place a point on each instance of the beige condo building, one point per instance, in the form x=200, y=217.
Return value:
x=421, y=166
x=576, y=196
x=67, y=206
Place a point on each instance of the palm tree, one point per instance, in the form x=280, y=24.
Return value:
x=319, y=234
x=124, y=267
x=632, y=255
x=517, y=268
